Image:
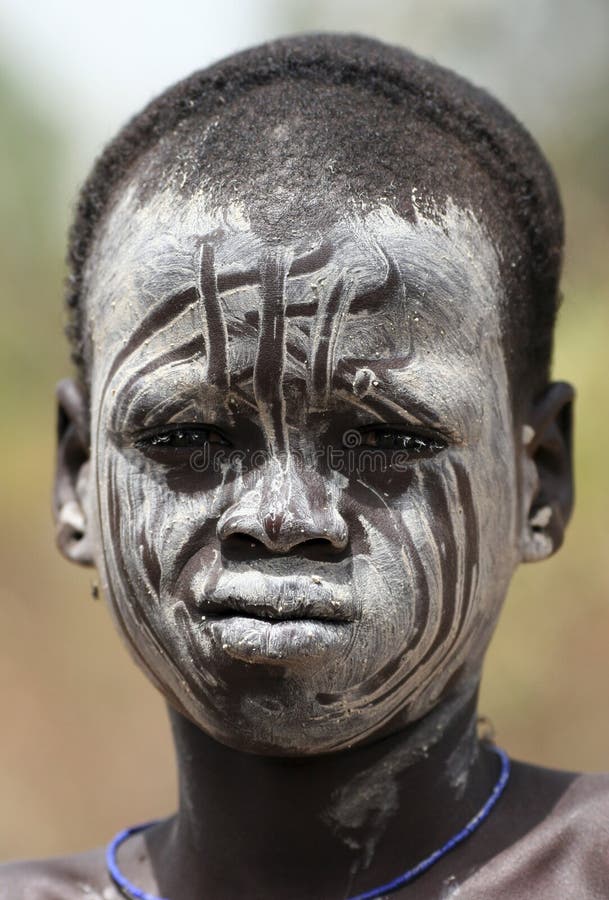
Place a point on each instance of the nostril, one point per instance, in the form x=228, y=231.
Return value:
x=280, y=532
x=241, y=541
x=242, y=546
x=321, y=548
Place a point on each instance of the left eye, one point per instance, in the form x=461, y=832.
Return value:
x=180, y=436
x=392, y=439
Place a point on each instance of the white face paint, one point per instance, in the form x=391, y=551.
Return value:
x=304, y=464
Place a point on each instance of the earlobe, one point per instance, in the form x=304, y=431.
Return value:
x=542, y=535
x=71, y=490
x=548, y=475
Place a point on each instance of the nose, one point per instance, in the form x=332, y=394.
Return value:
x=283, y=510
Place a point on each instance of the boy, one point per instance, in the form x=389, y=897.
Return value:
x=312, y=436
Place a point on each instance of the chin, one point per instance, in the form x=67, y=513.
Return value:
x=291, y=722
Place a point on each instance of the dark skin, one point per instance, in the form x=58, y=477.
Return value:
x=210, y=870
x=261, y=823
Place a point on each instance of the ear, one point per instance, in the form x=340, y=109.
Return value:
x=71, y=490
x=548, y=472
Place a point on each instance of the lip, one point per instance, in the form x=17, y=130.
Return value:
x=276, y=599
x=283, y=642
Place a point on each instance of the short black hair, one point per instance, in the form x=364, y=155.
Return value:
x=397, y=121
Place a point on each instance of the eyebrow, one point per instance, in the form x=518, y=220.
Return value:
x=408, y=409
x=156, y=403
x=144, y=390
x=389, y=402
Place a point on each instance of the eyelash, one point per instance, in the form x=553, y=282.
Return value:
x=411, y=442
x=178, y=437
x=415, y=444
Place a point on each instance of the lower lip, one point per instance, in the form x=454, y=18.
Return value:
x=277, y=642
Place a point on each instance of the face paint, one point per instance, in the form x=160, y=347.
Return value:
x=305, y=506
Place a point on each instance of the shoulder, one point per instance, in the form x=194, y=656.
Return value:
x=588, y=789
x=581, y=816
x=79, y=877
x=565, y=850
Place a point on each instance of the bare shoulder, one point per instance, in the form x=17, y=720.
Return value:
x=573, y=814
x=79, y=877
x=581, y=798
x=584, y=809
x=591, y=788
x=563, y=846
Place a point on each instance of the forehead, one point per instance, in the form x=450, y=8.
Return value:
x=371, y=285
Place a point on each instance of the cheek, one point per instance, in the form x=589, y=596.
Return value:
x=431, y=581
x=423, y=556
x=152, y=528
x=147, y=535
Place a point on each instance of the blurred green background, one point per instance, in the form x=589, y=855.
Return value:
x=84, y=747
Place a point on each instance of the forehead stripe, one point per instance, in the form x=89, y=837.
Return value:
x=156, y=320
x=375, y=298
x=270, y=353
x=324, y=340
x=128, y=396
x=233, y=279
x=311, y=262
x=214, y=325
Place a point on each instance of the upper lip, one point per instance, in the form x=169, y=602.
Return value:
x=280, y=598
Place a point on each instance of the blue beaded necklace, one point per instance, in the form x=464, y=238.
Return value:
x=131, y=892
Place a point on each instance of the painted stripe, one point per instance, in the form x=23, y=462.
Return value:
x=214, y=325
x=269, y=366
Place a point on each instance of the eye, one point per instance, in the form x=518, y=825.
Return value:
x=180, y=436
x=415, y=444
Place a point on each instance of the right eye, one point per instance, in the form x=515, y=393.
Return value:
x=415, y=443
x=180, y=436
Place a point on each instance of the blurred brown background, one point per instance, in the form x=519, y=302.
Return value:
x=84, y=745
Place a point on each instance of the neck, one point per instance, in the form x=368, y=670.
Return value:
x=363, y=816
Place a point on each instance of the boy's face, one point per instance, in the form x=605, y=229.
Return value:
x=303, y=479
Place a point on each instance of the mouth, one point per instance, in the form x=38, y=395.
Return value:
x=276, y=599
x=267, y=614
x=288, y=620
